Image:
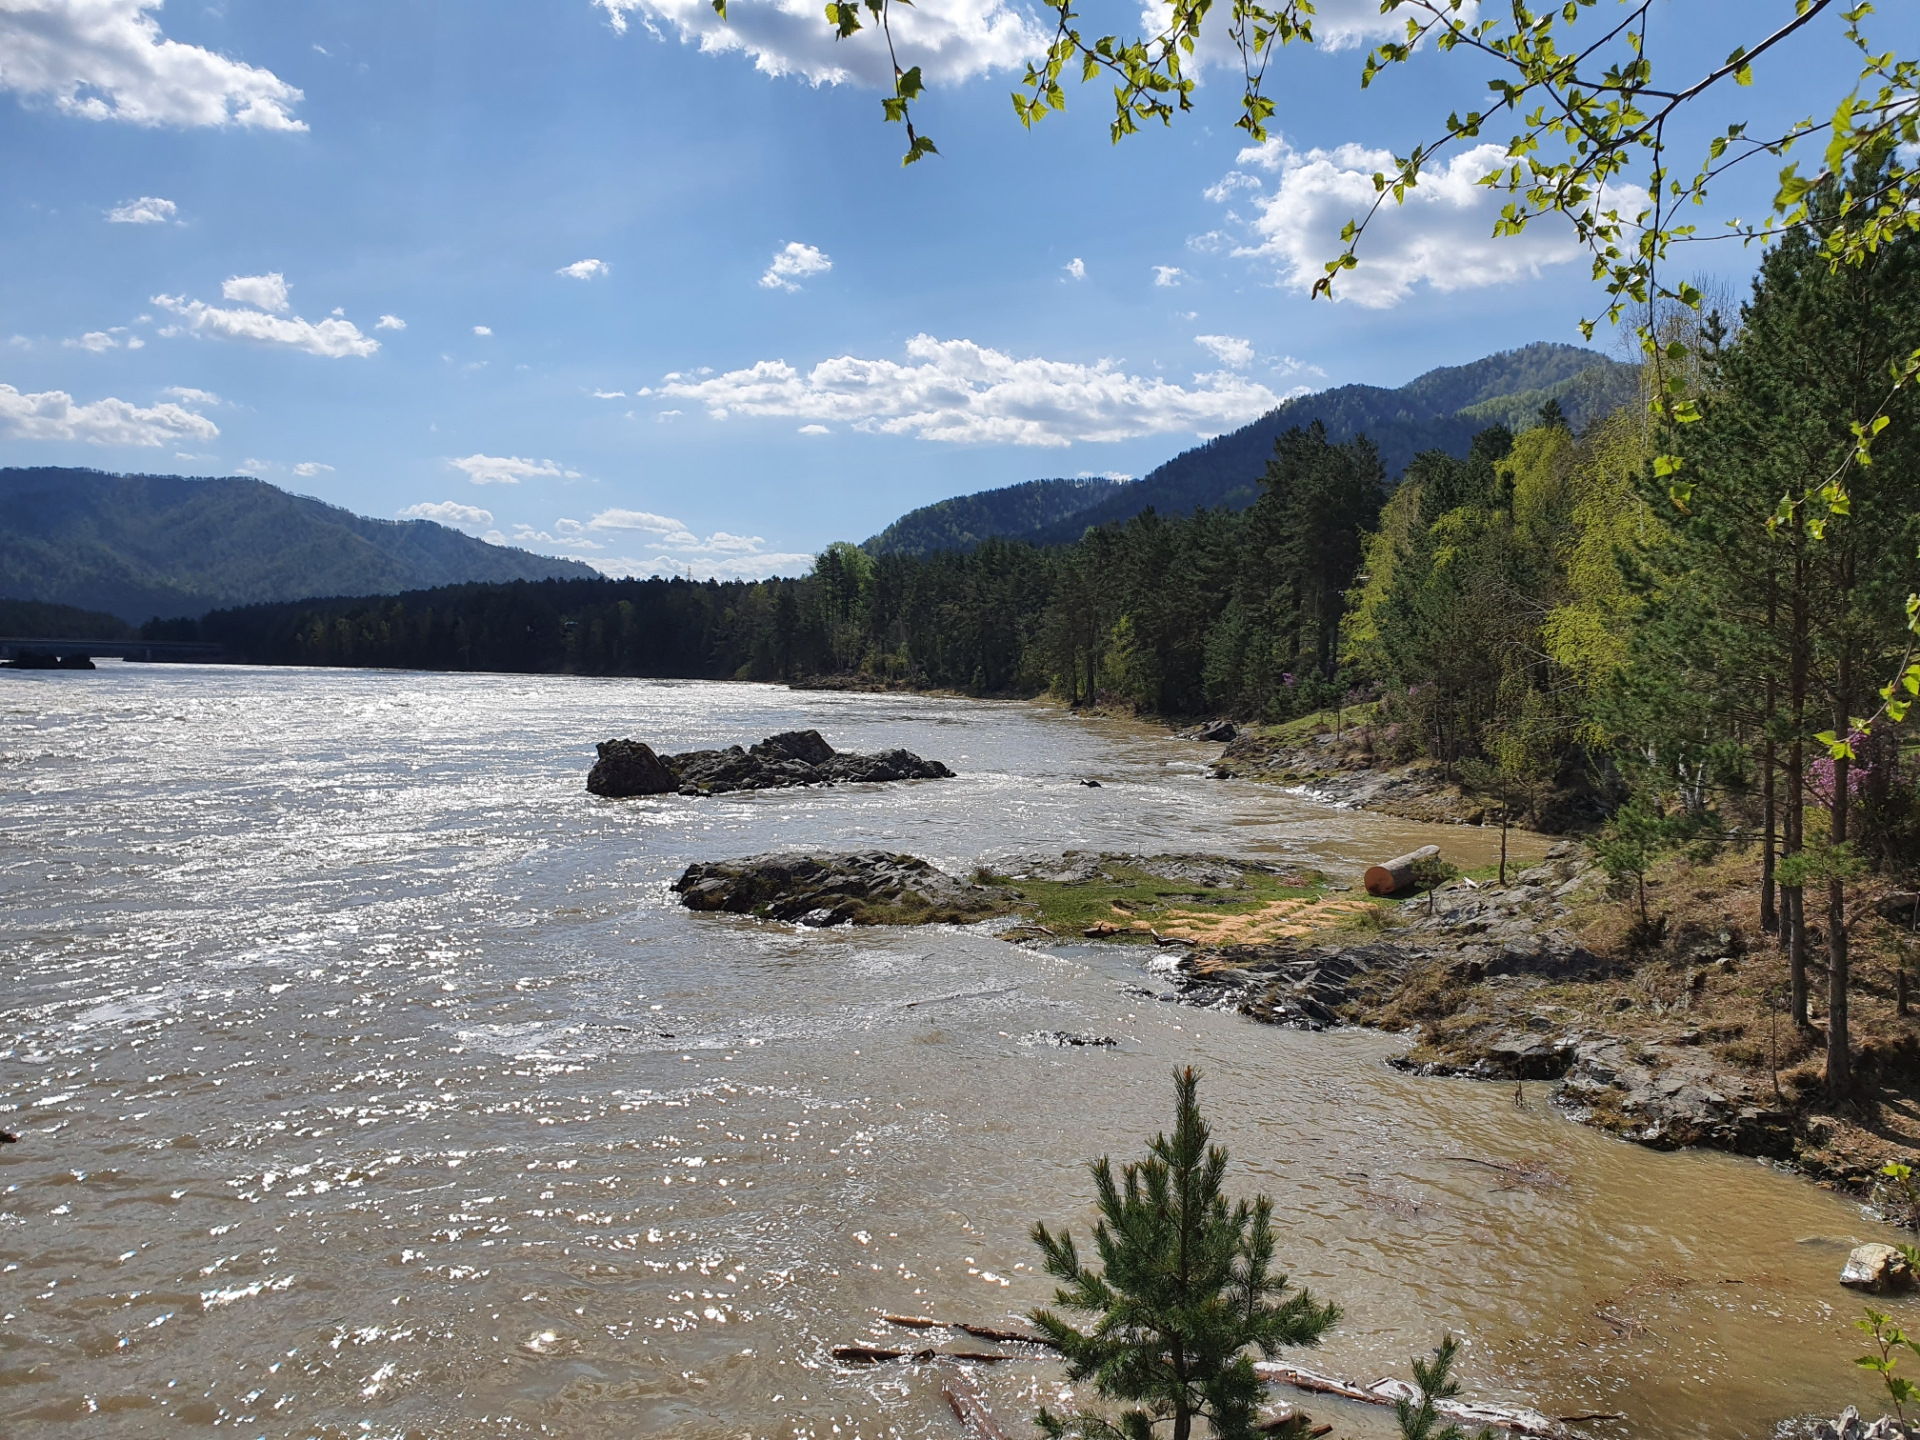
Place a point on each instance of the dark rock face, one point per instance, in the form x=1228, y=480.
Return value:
x=868, y=888
x=795, y=757
x=1218, y=732
x=628, y=767
x=1280, y=984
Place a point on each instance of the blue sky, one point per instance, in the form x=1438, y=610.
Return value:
x=606, y=278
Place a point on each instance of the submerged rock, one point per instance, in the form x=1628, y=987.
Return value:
x=1880, y=1269
x=795, y=757
x=1067, y=1040
x=868, y=888
x=1849, y=1426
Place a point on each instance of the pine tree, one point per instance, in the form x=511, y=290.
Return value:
x=1184, y=1289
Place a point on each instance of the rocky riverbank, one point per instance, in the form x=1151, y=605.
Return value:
x=1530, y=982
x=796, y=757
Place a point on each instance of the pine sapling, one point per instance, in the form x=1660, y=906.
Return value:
x=1184, y=1291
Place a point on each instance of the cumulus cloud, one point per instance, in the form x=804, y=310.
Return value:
x=147, y=210
x=191, y=396
x=389, y=322
x=1168, y=275
x=107, y=60
x=960, y=392
x=309, y=468
x=334, y=338
x=94, y=340
x=948, y=39
x=815, y=430
x=1441, y=236
x=585, y=269
x=1228, y=350
x=449, y=512
x=483, y=330
x=674, y=547
x=1076, y=268
x=53, y=415
x=609, y=394
x=268, y=292
x=510, y=469
x=793, y=263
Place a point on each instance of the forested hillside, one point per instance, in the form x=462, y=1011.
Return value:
x=966, y=520
x=137, y=546
x=1440, y=410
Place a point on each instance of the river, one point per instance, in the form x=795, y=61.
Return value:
x=371, y=1083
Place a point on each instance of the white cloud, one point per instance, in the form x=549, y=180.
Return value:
x=585, y=269
x=609, y=394
x=266, y=292
x=107, y=60
x=1228, y=350
x=310, y=468
x=793, y=263
x=1168, y=276
x=957, y=391
x=949, y=39
x=483, y=330
x=815, y=430
x=332, y=338
x=1442, y=235
x=449, y=512
x=147, y=210
x=52, y=415
x=191, y=396
x=510, y=469
x=671, y=532
x=94, y=340
x=1076, y=268
x=389, y=322
x=250, y=466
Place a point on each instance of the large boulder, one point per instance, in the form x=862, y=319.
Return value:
x=872, y=887
x=794, y=757
x=629, y=767
x=1879, y=1269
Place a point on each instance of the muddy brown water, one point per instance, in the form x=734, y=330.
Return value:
x=370, y=1083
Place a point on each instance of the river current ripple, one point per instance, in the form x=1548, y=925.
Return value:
x=371, y=1083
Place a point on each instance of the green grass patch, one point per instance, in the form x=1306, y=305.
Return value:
x=1124, y=892
x=1320, y=722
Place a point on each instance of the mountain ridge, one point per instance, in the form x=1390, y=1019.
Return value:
x=1440, y=409
x=144, y=546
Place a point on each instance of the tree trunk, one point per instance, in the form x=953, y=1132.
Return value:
x=1506, y=814
x=1769, y=914
x=1839, y=1060
x=1796, y=777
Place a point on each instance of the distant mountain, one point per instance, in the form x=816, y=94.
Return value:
x=1441, y=409
x=137, y=546
x=963, y=522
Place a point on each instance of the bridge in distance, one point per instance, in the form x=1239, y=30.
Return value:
x=21, y=652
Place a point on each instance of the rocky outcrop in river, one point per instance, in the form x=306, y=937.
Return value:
x=795, y=757
x=868, y=888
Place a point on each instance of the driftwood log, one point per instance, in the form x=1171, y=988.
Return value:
x=1390, y=877
x=1514, y=1418
x=971, y=1410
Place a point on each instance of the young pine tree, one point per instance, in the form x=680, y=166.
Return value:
x=1184, y=1290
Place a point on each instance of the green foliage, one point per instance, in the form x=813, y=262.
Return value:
x=1185, y=1288
x=1888, y=1341
x=1419, y=1418
x=1637, y=836
x=31, y=618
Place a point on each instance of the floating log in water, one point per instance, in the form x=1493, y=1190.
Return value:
x=1392, y=876
x=971, y=1409
x=866, y=1354
x=1018, y=1337
x=912, y=1322
x=1515, y=1418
